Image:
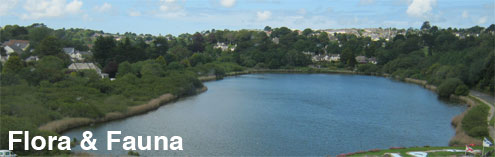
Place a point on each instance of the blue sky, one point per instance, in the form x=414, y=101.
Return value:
x=189, y=16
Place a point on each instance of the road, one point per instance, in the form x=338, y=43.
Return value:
x=489, y=99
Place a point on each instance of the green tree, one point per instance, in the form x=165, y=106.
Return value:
x=104, y=49
x=50, y=46
x=426, y=25
x=160, y=60
x=348, y=58
x=124, y=68
x=49, y=68
x=160, y=47
x=448, y=87
x=306, y=32
x=13, y=65
x=267, y=28
x=198, y=43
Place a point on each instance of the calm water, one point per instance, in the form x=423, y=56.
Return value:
x=292, y=114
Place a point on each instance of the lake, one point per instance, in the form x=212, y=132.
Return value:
x=292, y=114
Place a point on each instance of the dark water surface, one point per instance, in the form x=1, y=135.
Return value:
x=292, y=114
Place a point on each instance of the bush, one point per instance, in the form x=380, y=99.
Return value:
x=448, y=87
x=474, y=122
x=462, y=90
x=133, y=153
x=368, y=68
x=479, y=131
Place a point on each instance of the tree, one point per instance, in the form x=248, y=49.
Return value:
x=124, y=68
x=111, y=69
x=179, y=51
x=37, y=33
x=160, y=60
x=449, y=86
x=103, y=49
x=49, y=46
x=307, y=32
x=267, y=28
x=198, y=43
x=426, y=25
x=160, y=47
x=348, y=58
x=13, y=65
x=49, y=68
x=323, y=38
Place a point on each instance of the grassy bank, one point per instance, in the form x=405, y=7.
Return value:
x=68, y=123
x=404, y=151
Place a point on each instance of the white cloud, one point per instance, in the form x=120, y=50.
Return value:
x=227, y=3
x=171, y=9
x=6, y=6
x=262, y=16
x=465, y=14
x=366, y=2
x=104, y=7
x=37, y=9
x=482, y=20
x=420, y=8
x=134, y=13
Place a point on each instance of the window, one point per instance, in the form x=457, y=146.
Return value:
x=7, y=153
x=1, y=153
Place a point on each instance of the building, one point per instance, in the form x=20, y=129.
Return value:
x=224, y=46
x=372, y=60
x=362, y=59
x=32, y=59
x=334, y=57
x=14, y=46
x=276, y=40
x=87, y=66
x=76, y=55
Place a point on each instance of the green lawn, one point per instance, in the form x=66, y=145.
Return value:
x=403, y=152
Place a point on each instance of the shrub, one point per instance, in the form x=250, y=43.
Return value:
x=368, y=68
x=474, y=122
x=448, y=87
x=133, y=153
x=462, y=90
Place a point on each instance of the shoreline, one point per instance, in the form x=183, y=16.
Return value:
x=66, y=124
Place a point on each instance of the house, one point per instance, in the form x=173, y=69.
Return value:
x=32, y=59
x=73, y=53
x=87, y=66
x=372, y=60
x=76, y=55
x=276, y=40
x=362, y=59
x=224, y=46
x=319, y=57
x=14, y=46
x=334, y=57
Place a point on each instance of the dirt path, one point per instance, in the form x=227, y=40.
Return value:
x=488, y=99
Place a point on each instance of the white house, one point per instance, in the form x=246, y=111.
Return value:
x=87, y=66
x=75, y=55
x=334, y=57
x=14, y=46
x=224, y=46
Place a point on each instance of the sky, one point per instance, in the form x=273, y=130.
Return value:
x=161, y=17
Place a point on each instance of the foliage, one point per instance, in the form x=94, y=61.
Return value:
x=475, y=122
x=461, y=90
x=448, y=87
